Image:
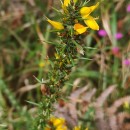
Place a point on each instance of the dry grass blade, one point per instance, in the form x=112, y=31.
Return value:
x=101, y=123
x=119, y=4
x=27, y=88
x=88, y=95
x=77, y=93
x=103, y=97
x=113, y=122
x=106, y=25
x=117, y=104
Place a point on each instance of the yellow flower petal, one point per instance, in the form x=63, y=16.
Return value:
x=91, y=23
x=56, y=25
x=66, y=2
x=86, y=11
x=57, y=121
x=57, y=56
x=79, y=28
x=41, y=64
x=94, y=6
x=61, y=127
x=52, y=119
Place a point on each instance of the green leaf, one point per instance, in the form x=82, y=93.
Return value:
x=37, y=79
x=33, y=103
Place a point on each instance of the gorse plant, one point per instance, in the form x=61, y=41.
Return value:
x=75, y=19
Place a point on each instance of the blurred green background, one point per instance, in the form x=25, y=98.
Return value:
x=23, y=52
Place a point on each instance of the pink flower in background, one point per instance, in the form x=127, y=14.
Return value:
x=102, y=33
x=128, y=8
x=126, y=62
x=118, y=35
x=115, y=50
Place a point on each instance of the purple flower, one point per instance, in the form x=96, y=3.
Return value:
x=102, y=33
x=118, y=35
x=128, y=8
x=115, y=50
x=126, y=62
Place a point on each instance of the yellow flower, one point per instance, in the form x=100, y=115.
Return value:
x=57, y=121
x=41, y=64
x=89, y=20
x=86, y=11
x=61, y=127
x=56, y=25
x=91, y=23
x=67, y=2
x=57, y=56
x=79, y=28
x=126, y=105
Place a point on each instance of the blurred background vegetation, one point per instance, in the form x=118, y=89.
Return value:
x=23, y=55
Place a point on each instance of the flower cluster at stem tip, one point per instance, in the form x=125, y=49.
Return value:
x=83, y=20
x=59, y=124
